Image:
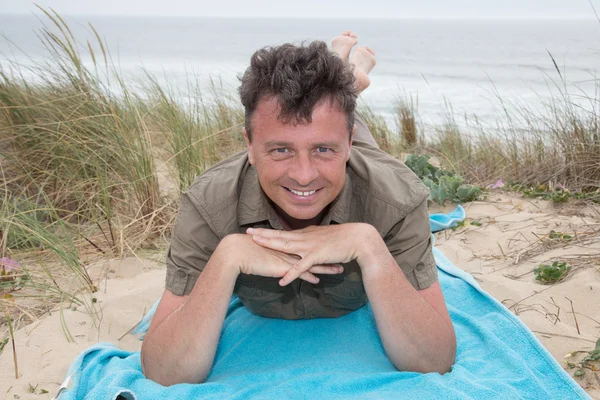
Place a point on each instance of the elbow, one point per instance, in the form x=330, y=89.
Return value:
x=438, y=360
x=173, y=379
x=446, y=355
x=442, y=367
x=168, y=376
x=169, y=380
x=442, y=364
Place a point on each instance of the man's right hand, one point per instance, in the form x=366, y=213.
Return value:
x=252, y=259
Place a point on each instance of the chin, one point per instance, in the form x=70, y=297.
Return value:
x=302, y=214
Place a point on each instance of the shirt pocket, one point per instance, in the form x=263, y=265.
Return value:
x=261, y=295
x=343, y=293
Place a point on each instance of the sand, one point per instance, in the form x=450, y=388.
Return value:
x=500, y=254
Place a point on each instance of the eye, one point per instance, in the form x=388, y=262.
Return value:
x=280, y=150
x=322, y=149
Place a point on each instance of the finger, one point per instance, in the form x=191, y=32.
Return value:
x=289, y=261
x=289, y=258
x=272, y=233
x=305, y=230
x=297, y=269
x=283, y=245
x=327, y=269
x=309, y=277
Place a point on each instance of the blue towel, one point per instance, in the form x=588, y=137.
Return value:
x=439, y=222
x=342, y=358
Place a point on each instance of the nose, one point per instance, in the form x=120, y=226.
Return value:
x=303, y=170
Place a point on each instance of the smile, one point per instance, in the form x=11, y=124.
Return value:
x=302, y=194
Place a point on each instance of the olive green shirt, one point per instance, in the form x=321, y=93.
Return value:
x=227, y=199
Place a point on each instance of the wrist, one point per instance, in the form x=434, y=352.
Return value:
x=372, y=252
x=226, y=251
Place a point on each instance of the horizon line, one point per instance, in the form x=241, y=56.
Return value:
x=410, y=17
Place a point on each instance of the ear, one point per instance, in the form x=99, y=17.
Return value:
x=248, y=147
x=350, y=144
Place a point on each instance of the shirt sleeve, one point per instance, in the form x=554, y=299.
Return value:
x=192, y=244
x=410, y=244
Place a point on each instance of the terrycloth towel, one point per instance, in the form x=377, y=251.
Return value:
x=439, y=222
x=260, y=358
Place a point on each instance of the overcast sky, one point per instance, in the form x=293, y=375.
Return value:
x=312, y=8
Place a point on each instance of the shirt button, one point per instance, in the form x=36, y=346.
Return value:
x=420, y=266
x=352, y=294
x=260, y=292
x=181, y=273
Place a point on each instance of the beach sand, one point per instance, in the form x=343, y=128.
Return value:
x=501, y=253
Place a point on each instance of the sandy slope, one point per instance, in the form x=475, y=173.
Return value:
x=501, y=254
x=44, y=354
x=512, y=240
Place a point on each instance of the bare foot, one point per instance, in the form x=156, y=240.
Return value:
x=342, y=44
x=363, y=60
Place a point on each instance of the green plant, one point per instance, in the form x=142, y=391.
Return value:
x=561, y=195
x=443, y=185
x=593, y=196
x=551, y=273
x=586, y=362
x=2, y=344
x=540, y=191
x=559, y=236
x=457, y=225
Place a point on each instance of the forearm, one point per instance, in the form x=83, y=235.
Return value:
x=183, y=346
x=414, y=336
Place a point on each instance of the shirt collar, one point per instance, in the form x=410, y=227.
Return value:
x=339, y=210
x=254, y=206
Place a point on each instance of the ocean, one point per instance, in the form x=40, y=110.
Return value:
x=466, y=67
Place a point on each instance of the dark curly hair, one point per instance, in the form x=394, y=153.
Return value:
x=299, y=77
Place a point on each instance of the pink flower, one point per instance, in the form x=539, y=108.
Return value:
x=496, y=185
x=7, y=264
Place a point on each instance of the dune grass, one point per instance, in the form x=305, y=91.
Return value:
x=92, y=167
x=558, y=148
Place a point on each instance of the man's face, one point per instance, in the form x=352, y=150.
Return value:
x=301, y=168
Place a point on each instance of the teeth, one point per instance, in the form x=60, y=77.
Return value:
x=297, y=193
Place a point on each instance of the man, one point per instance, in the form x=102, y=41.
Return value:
x=311, y=221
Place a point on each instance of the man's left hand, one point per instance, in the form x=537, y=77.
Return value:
x=331, y=244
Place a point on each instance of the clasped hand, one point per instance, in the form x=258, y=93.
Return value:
x=316, y=249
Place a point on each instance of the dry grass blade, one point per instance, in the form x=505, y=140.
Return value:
x=574, y=316
x=12, y=340
x=564, y=336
